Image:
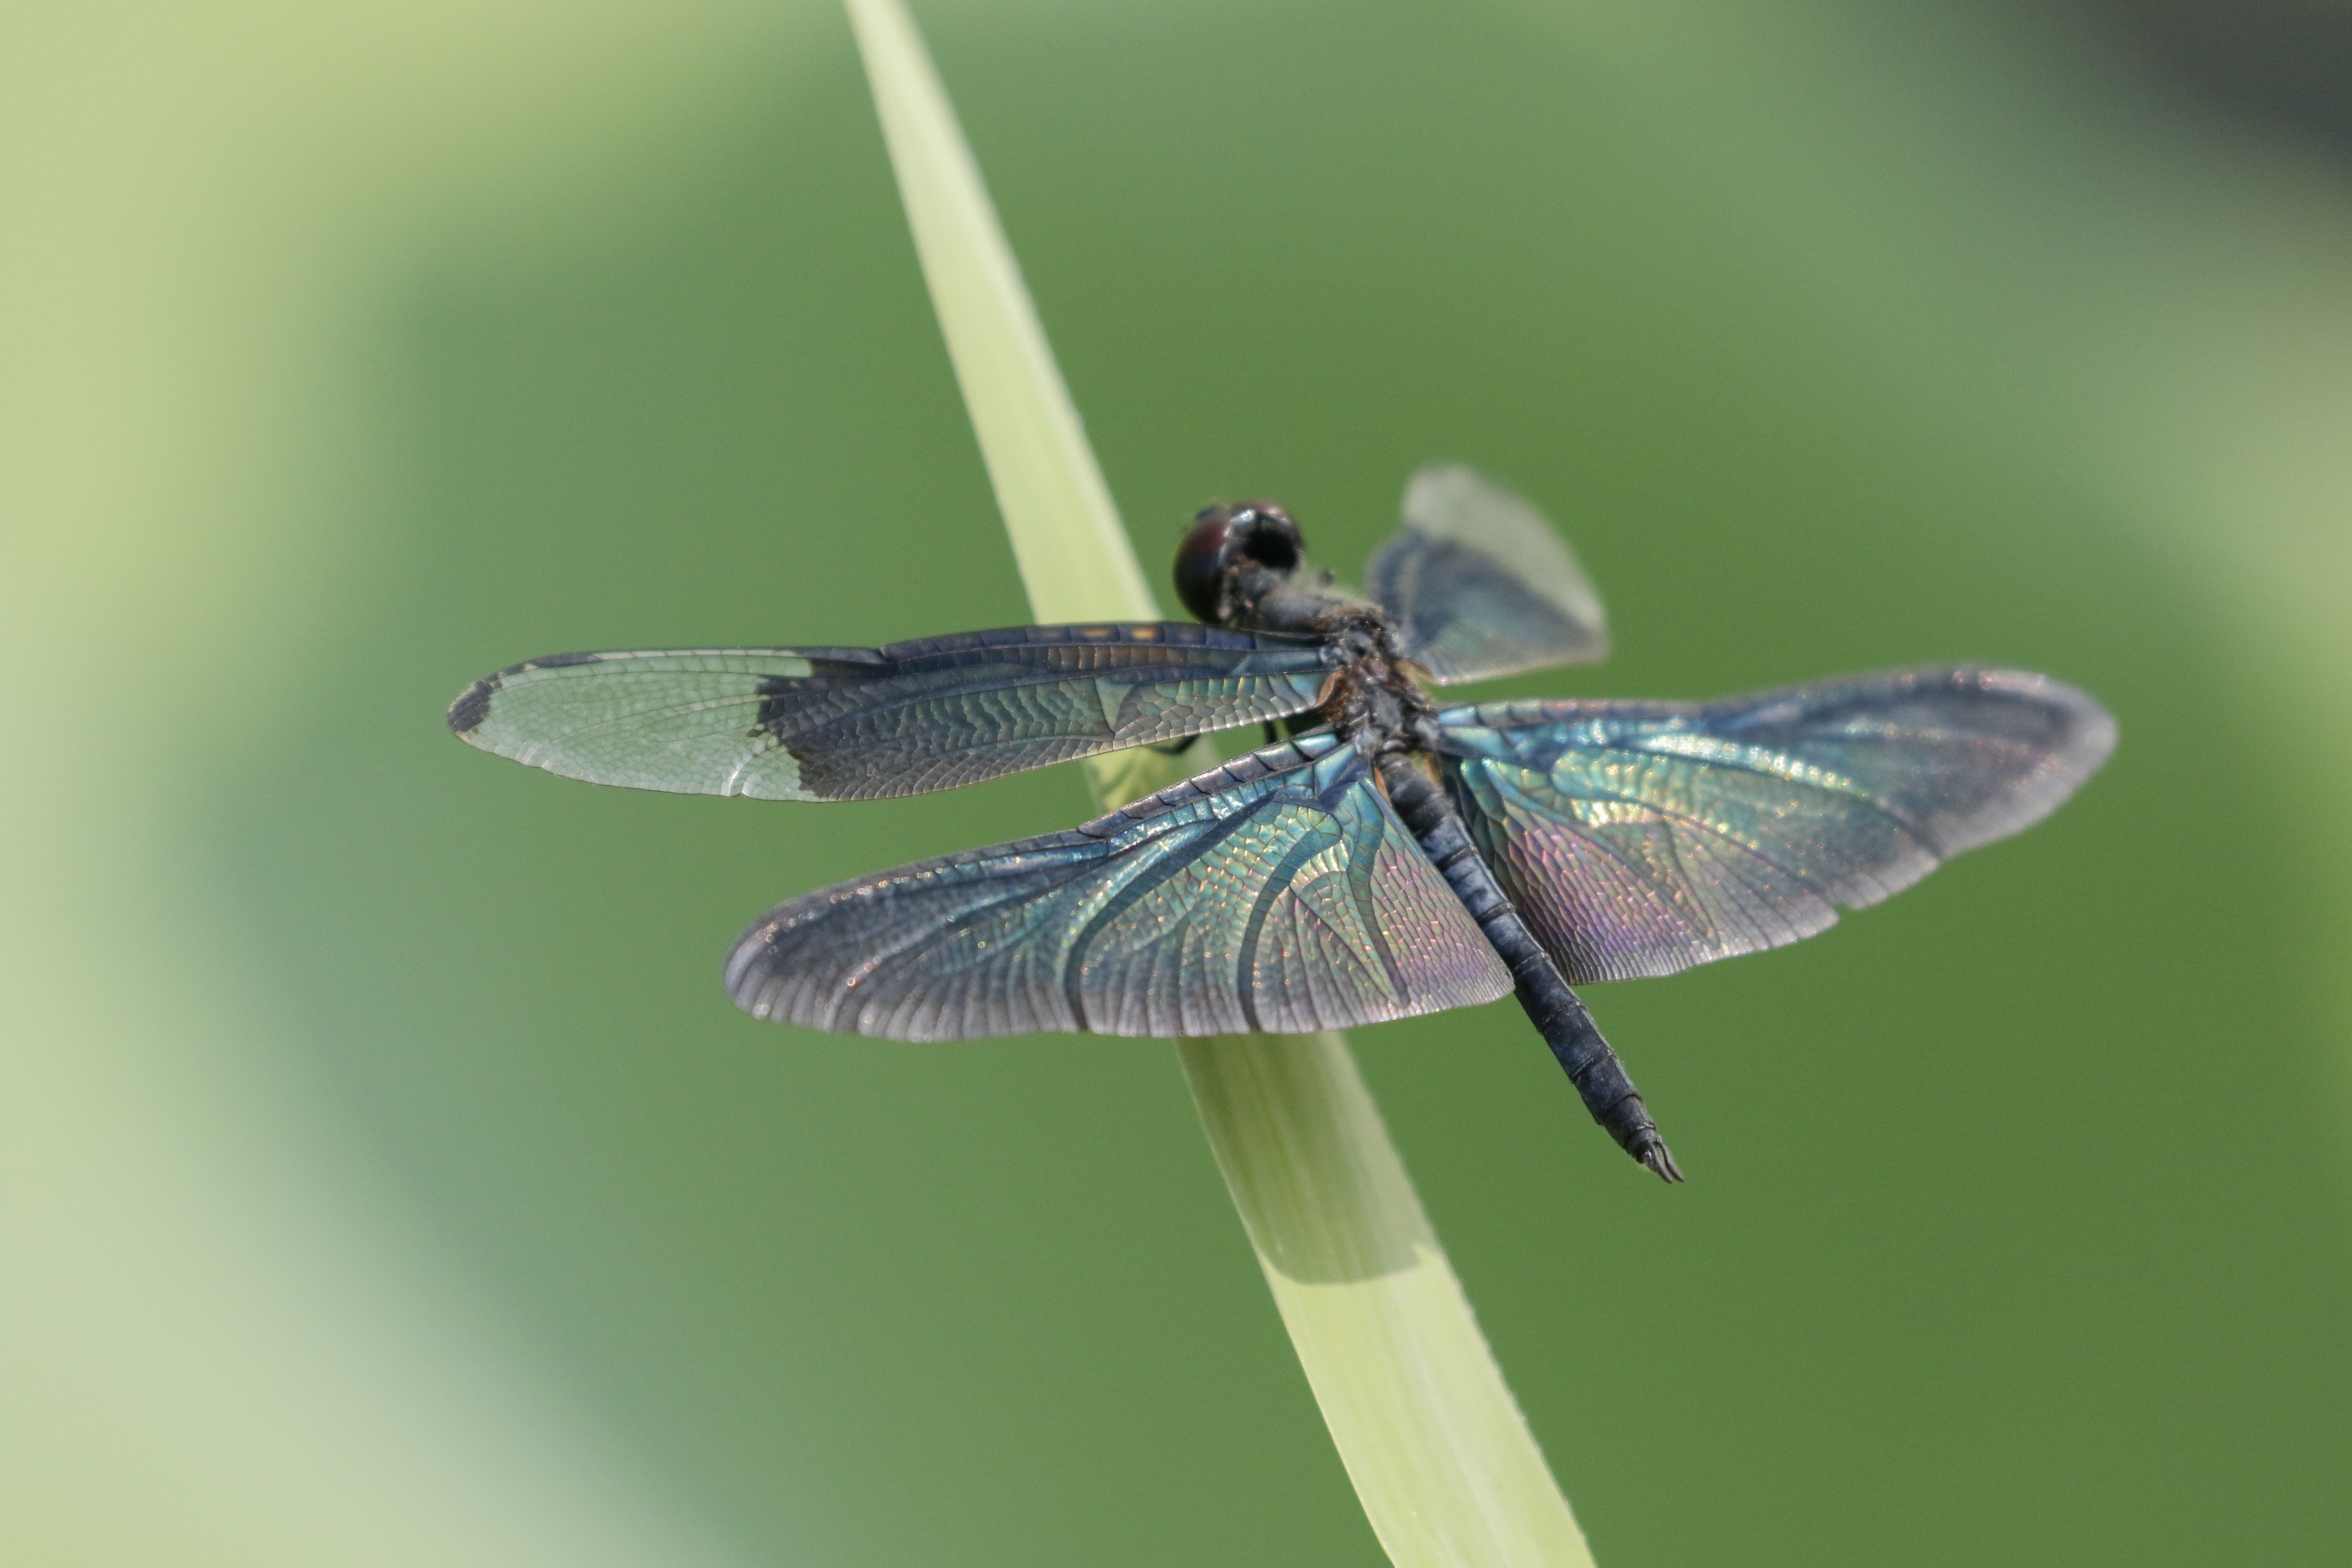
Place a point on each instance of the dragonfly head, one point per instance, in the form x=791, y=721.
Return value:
x=1233, y=557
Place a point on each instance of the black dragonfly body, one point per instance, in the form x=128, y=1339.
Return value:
x=1392, y=857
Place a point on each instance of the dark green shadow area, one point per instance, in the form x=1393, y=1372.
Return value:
x=2010, y=1237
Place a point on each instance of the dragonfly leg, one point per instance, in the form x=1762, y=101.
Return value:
x=1175, y=748
x=1556, y=1011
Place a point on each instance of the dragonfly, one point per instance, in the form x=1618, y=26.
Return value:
x=1383, y=855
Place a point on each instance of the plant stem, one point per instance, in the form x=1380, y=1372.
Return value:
x=1440, y=1457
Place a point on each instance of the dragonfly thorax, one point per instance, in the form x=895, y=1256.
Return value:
x=1374, y=701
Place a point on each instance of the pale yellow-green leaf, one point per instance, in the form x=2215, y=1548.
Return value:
x=1440, y=1457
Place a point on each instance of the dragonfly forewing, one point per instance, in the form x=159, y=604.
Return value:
x=835, y=723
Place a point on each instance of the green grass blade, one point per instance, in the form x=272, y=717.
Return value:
x=1440, y=1457
x=1074, y=554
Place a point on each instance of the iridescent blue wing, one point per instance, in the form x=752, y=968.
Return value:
x=1478, y=584
x=1277, y=894
x=1643, y=838
x=853, y=723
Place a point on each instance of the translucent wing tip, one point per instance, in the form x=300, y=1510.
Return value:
x=1482, y=583
x=2084, y=741
x=472, y=708
x=1437, y=490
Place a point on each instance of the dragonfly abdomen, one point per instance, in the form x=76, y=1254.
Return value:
x=1555, y=1009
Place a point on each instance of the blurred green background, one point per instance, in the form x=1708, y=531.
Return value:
x=383, y=1177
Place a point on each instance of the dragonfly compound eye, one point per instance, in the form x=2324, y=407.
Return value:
x=1224, y=538
x=1266, y=535
x=1200, y=563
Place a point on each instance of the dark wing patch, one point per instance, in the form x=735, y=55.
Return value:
x=473, y=705
x=1277, y=894
x=1478, y=584
x=846, y=724
x=1643, y=838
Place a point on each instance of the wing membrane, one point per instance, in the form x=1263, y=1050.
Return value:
x=1643, y=838
x=1478, y=584
x=847, y=723
x=1277, y=894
